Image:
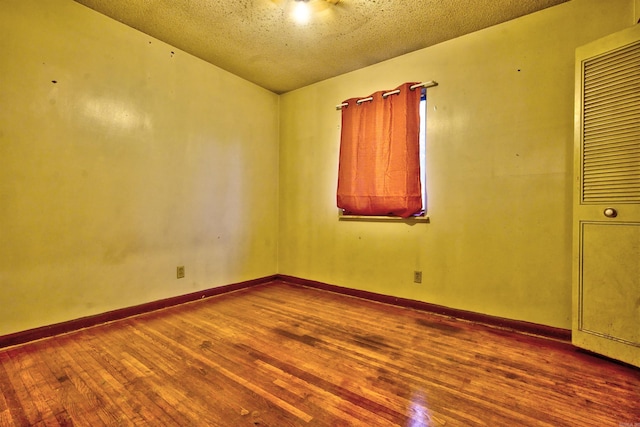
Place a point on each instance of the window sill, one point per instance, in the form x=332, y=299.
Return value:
x=410, y=220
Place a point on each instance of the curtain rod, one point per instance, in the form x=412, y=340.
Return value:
x=430, y=83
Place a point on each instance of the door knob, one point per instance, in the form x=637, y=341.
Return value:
x=610, y=213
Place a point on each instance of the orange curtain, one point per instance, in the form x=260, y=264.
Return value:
x=379, y=170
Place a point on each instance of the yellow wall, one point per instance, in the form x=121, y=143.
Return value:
x=499, y=171
x=141, y=158
x=138, y=159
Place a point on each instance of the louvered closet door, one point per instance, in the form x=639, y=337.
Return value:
x=606, y=215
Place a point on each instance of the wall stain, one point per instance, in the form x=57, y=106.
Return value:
x=117, y=255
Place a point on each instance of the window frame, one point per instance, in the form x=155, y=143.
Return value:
x=422, y=217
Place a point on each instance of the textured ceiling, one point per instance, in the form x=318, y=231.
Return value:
x=259, y=41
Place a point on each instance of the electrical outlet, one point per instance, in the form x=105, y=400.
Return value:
x=180, y=272
x=417, y=276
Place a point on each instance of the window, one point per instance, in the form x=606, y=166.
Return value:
x=382, y=172
x=423, y=150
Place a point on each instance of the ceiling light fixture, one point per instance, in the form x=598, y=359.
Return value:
x=301, y=12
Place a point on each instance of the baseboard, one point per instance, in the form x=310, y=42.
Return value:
x=513, y=325
x=85, y=322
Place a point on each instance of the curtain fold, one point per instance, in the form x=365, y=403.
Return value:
x=379, y=165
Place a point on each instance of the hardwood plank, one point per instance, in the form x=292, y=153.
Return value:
x=281, y=354
x=342, y=374
x=28, y=410
x=40, y=391
x=197, y=350
x=110, y=316
x=94, y=400
x=14, y=413
x=510, y=324
x=229, y=356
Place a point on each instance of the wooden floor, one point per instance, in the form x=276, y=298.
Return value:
x=285, y=355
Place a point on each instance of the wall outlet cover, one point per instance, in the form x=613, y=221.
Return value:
x=417, y=276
